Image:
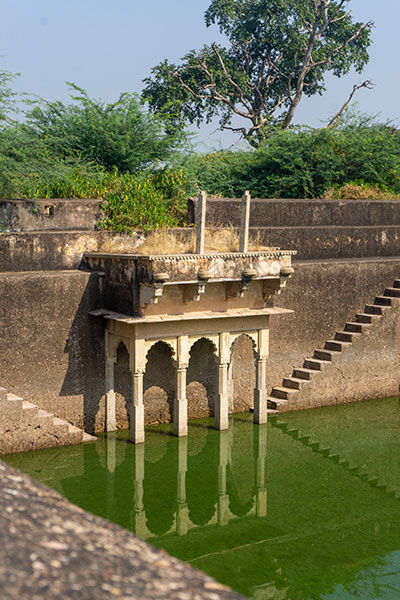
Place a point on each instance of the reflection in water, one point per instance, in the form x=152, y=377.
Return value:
x=326, y=530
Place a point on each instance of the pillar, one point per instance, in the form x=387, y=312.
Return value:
x=222, y=404
x=180, y=403
x=260, y=395
x=110, y=359
x=137, y=411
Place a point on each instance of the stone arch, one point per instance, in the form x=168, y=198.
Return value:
x=202, y=379
x=159, y=383
x=242, y=373
x=122, y=382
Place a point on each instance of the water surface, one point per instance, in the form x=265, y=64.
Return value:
x=304, y=508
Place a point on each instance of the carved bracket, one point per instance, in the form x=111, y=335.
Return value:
x=247, y=276
x=150, y=294
x=193, y=292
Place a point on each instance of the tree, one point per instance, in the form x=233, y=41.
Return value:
x=7, y=97
x=279, y=51
x=120, y=134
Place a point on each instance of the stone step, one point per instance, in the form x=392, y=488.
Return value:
x=336, y=345
x=324, y=354
x=60, y=426
x=46, y=421
x=372, y=309
x=346, y=336
x=364, y=318
x=275, y=403
x=392, y=292
x=283, y=393
x=306, y=374
x=294, y=383
x=75, y=434
x=396, y=283
x=383, y=301
x=30, y=414
x=315, y=364
x=355, y=327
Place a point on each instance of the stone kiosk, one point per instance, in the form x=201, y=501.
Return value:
x=178, y=300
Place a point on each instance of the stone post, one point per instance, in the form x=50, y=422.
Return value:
x=180, y=403
x=245, y=223
x=201, y=223
x=260, y=396
x=182, y=521
x=137, y=416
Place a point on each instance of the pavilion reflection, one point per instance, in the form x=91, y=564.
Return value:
x=192, y=483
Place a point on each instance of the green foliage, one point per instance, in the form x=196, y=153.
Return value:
x=121, y=134
x=305, y=163
x=143, y=201
x=279, y=50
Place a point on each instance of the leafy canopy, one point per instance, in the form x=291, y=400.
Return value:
x=277, y=52
x=121, y=134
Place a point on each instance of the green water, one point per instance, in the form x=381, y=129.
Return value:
x=303, y=508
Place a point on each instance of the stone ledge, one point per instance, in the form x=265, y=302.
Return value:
x=51, y=549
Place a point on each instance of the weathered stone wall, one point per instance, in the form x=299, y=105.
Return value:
x=317, y=229
x=52, y=350
x=324, y=295
x=54, y=214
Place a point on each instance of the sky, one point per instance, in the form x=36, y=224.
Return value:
x=110, y=46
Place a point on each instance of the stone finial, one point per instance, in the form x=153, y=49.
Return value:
x=245, y=223
x=201, y=223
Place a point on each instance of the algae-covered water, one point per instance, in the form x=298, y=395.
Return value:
x=307, y=507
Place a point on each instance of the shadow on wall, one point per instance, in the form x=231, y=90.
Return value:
x=85, y=372
x=242, y=374
x=202, y=380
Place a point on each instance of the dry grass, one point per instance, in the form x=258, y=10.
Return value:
x=351, y=191
x=164, y=241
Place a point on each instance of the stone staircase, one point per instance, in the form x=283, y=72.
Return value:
x=307, y=441
x=294, y=390
x=25, y=426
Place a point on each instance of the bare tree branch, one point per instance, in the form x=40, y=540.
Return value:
x=334, y=121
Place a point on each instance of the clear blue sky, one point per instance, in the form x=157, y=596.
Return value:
x=109, y=46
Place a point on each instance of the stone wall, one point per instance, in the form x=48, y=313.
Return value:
x=317, y=229
x=54, y=214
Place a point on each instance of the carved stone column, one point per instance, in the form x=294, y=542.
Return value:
x=137, y=412
x=222, y=404
x=110, y=360
x=260, y=396
x=180, y=403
